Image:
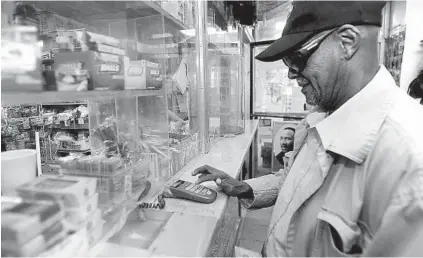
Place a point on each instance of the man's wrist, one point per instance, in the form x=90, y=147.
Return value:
x=247, y=192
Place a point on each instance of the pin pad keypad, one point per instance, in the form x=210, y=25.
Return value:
x=186, y=190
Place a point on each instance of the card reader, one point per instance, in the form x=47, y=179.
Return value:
x=190, y=191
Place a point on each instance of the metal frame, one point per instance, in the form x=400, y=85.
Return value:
x=202, y=73
x=252, y=46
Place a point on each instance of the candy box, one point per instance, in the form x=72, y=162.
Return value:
x=91, y=70
x=69, y=191
x=142, y=74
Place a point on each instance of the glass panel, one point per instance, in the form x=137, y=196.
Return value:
x=271, y=16
x=226, y=89
x=273, y=91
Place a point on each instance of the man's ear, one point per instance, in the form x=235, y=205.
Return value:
x=350, y=38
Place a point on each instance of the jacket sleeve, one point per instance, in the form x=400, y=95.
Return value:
x=401, y=230
x=266, y=188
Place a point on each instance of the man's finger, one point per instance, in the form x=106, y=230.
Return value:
x=202, y=169
x=206, y=178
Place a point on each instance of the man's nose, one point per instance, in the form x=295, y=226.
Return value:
x=292, y=74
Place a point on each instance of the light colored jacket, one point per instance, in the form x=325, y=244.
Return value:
x=356, y=185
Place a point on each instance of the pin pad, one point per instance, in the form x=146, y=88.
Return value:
x=190, y=191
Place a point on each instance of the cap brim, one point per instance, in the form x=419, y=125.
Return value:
x=278, y=49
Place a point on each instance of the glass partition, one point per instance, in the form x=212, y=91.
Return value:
x=273, y=92
x=225, y=78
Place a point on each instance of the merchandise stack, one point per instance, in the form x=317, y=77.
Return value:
x=53, y=209
x=84, y=60
x=18, y=126
x=30, y=227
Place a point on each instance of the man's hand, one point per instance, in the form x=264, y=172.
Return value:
x=229, y=185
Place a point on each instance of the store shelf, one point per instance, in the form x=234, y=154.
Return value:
x=169, y=17
x=68, y=151
x=17, y=98
x=89, y=12
x=64, y=104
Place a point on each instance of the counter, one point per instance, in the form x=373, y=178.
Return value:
x=185, y=228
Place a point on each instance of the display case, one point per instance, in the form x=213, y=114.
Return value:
x=225, y=71
x=127, y=75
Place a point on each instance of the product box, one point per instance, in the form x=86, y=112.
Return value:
x=69, y=191
x=25, y=220
x=91, y=70
x=20, y=60
x=143, y=75
x=46, y=239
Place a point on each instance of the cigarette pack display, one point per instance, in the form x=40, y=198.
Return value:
x=20, y=59
x=70, y=191
x=91, y=70
x=27, y=219
x=143, y=75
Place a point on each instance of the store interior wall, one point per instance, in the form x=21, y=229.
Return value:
x=413, y=48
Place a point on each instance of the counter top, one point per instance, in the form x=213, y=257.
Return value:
x=189, y=230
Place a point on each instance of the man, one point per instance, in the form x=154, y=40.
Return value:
x=415, y=89
x=287, y=144
x=356, y=184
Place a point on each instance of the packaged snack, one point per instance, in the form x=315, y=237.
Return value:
x=143, y=75
x=24, y=221
x=70, y=191
x=78, y=71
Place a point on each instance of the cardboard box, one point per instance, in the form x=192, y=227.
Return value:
x=143, y=75
x=91, y=70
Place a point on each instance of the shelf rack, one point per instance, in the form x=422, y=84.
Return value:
x=16, y=98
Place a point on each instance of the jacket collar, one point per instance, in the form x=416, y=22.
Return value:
x=351, y=130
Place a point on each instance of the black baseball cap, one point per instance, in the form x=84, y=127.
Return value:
x=308, y=18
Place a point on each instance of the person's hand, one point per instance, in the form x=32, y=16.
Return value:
x=229, y=185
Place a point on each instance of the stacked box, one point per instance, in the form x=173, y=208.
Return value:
x=30, y=227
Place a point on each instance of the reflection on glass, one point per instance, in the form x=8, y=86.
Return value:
x=273, y=91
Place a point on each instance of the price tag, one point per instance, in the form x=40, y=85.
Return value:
x=80, y=121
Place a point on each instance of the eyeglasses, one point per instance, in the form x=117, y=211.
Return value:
x=298, y=59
